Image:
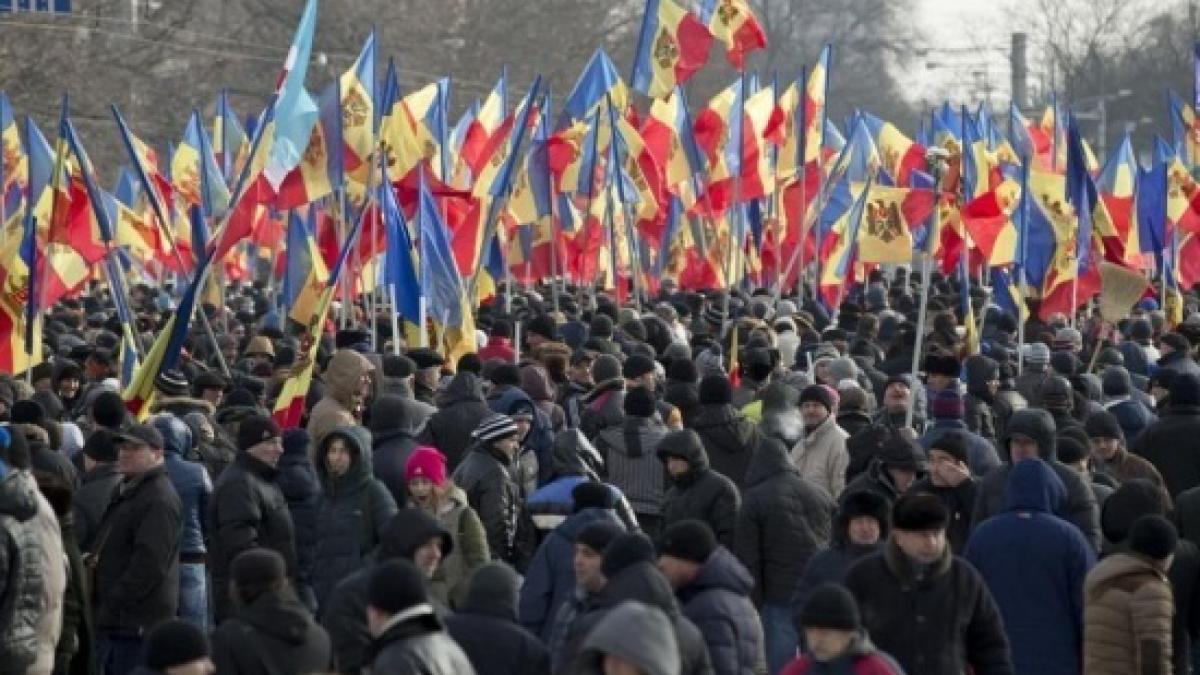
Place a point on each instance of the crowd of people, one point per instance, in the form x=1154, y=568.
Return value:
x=727, y=482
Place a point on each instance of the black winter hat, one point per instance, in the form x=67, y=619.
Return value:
x=1070, y=449
x=715, y=390
x=239, y=398
x=408, y=530
x=109, y=410
x=1036, y=424
x=1057, y=393
x=639, y=402
x=1116, y=381
x=172, y=383
x=637, y=366
x=543, y=325
x=1175, y=341
x=683, y=370
x=830, y=605
x=256, y=570
x=256, y=429
x=209, y=380
x=28, y=412
x=953, y=442
x=601, y=326
x=942, y=364
x=398, y=365
x=691, y=540
x=626, y=550
x=592, y=495
x=919, y=512
x=1103, y=424
x=684, y=444
x=1133, y=499
x=817, y=394
x=100, y=446
x=899, y=452
x=395, y=586
x=866, y=504
x=598, y=535
x=174, y=642
x=506, y=374
x=1185, y=390
x=1153, y=537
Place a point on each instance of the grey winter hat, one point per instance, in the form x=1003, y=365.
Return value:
x=1037, y=354
x=843, y=368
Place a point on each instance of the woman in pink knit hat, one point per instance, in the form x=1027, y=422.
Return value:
x=429, y=488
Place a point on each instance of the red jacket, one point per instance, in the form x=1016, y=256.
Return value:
x=498, y=348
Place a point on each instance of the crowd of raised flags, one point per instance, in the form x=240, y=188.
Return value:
x=367, y=190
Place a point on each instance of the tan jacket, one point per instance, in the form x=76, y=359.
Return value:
x=821, y=457
x=1127, y=611
x=341, y=380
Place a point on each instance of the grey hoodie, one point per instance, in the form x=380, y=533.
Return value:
x=639, y=634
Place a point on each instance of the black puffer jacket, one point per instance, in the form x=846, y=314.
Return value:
x=484, y=475
x=247, y=511
x=701, y=493
x=782, y=524
x=392, y=442
x=978, y=402
x=353, y=509
x=940, y=623
x=137, y=576
x=91, y=500
x=718, y=602
x=729, y=439
x=297, y=480
x=1080, y=506
x=644, y=583
x=486, y=627
x=460, y=409
x=418, y=646
x=1172, y=445
x=273, y=634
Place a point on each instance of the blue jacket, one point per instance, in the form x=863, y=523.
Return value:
x=190, y=480
x=550, y=579
x=718, y=602
x=1034, y=563
x=981, y=454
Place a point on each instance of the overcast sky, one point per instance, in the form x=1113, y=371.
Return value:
x=969, y=43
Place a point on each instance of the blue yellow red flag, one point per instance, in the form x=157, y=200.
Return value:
x=735, y=25
x=672, y=45
x=295, y=112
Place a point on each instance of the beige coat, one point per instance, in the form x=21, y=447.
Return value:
x=821, y=457
x=341, y=380
x=1127, y=611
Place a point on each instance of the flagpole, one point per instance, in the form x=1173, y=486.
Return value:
x=936, y=159
x=736, y=222
x=1024, y=239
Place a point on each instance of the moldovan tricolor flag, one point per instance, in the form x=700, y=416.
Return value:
x=672, y=46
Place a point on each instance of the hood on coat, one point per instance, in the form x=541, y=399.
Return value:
x=535, y=381
x=1036, y=424
x=389, y=412
x=343, y=373
x=177, y=436
x=359, y=440
x=726, y=427
x=722, y=570
x=641, y=581
x=769, y=460
x=280, y=616
x=464, y=386
x=492, y=590
x=574, y=455
x=18, y=495
x=778, y=396
x=686, y=445
x=639, y=634
x=407, y=531
x=1033, y=486
x=979, y=370
x=1118, y=565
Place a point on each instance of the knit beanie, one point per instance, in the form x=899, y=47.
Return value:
x=598, y=535
x=637, y=366
x=852, y=398
x=953, y=442
x=1185, y=390
x=715, y=390
x=1153, y=537
x=830, y=605
x=1133, y=499
x=256, y=429
x=28, y=412
x=174, y=642
x=395, y=586
x=606, y=367
x=100, y=446
x=1103, y=424
x=1116, y=381
x=816, y=393
x=901, y=453
x=592, y=495
x=426, y=462
x=494, y=427
x=172, y=383
x=919, y=512
x=639, y=402
x=626, y=550
x=691, y=540
x=256, y=570
x=843, y=368
x=1070, y=450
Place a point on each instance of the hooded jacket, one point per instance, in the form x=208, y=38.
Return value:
x=416, y=644
x=297, y=480
x=470, y=545
x=353, y=509
x=536, y=382
x=718, y=602
x=631, y=463
x=821, y=456
x=247, y=510
x=190, y=480
x=1172, y=445
x=272, y=634
x=550, y=579
x=783, y=522
x=1079, y=507
x=700, y=493
x=460, y=409
x=97, y=490
x=729, y=439
x=486, y=627
x=31, y=592
x=1035, y=564
x=334, y=410
x=940, y=621
x=392, y=442
x=639, y=634
x=1127, y=617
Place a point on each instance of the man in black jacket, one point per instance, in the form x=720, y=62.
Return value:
x=485, y=475
x=921, y=604
x=100, y=482
x=696, y=492
x=408, y=636
x=137, y=552
x=486, y=627
x=247, y=509
x=729, y=438
x=460, y=409
x=1172, y=444
x=783, y=522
